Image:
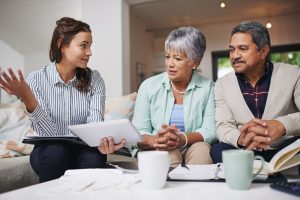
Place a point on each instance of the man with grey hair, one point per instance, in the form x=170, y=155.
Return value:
x=175, y=110
x=257, y=106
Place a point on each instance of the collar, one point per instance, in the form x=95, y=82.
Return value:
x=193, y=83
x=54, y=76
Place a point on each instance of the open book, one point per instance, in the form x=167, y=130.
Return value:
x=198, y=172
x=284, y=159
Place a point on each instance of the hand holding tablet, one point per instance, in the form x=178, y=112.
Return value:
x=92, y=133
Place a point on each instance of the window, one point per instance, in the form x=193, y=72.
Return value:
x=283, y=53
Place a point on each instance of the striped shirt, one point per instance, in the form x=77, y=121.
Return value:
x=177, y=117
x=256, y=97
x=62, y=104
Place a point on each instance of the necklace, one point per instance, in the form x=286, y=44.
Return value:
x=176, y=89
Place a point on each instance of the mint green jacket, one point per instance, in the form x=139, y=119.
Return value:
x=155, y=102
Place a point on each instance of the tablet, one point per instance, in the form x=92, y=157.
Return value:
x=92, y=133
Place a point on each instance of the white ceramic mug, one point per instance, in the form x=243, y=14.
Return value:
x=153, y=168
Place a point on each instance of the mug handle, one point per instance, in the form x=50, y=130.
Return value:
x=261, y=166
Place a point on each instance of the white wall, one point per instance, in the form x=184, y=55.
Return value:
x=9, y=57
x=285, y=30
x=36, y=60
x=110, y=42
x=141, y=49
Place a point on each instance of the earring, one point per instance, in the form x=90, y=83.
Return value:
x=194, y=68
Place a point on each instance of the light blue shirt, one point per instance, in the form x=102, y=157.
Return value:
x=177, y=117
x=155, y=102
x=62, y=104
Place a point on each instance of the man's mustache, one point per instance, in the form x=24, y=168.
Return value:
x=238, y=61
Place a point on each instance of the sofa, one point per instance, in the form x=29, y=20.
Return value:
x=15, y=169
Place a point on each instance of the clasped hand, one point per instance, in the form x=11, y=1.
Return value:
x=260, y=134
x=167, y=138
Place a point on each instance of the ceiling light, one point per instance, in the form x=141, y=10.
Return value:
x=222, y=5
x=269, y=25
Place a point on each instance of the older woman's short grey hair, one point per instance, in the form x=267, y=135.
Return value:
x=258, y=32
x=188, y=40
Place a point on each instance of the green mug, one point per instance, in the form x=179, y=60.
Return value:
x=238, y=168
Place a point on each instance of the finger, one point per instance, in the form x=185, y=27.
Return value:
x=248, y=138
x=21, y=76
x=172, y=143
x=171, y=148
x=101, y=147
x=162, y=131
x=120, y=145
x=162, y=140
x=164, y=126
x=245, y=127
x=259, y=122
x=263, y=146
x=161, y=146
x=259, y=130
x=5, y=86
x=174, y=128
x=262, y=139
x=111, y=144
x=252, y=146
x=12, y=74
x=172, y=136
x=105, y=145
x=4, y=83
x=7, y=78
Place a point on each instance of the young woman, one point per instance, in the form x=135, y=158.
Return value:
x=64, y=92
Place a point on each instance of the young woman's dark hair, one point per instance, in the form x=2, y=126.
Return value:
x=66, y=28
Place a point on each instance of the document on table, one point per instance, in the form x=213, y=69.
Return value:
x=92, y=180
x=198, y=172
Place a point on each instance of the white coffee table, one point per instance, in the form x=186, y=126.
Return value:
x=173, y=191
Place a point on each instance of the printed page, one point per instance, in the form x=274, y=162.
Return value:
x=198, y=172
x=284, y=155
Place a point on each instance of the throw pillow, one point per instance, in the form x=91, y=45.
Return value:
x=14, y=124
x=120, y=107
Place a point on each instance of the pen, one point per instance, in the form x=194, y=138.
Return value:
x=217, y=171
x=183, y=160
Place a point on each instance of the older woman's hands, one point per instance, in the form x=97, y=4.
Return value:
x=167, y=138
x=107, y=145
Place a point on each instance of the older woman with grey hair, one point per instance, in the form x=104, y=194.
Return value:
x=175, y=110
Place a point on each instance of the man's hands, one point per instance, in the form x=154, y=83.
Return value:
x=18, y=87
x=260, y=134
x=108, y=145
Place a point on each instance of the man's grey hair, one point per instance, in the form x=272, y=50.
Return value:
x=258, y=32
x=188, y=40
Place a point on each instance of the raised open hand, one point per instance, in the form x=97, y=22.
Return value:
x=14, y=85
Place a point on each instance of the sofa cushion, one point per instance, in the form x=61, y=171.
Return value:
x=14, y=124
x=120, y=107
x=16, y=173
